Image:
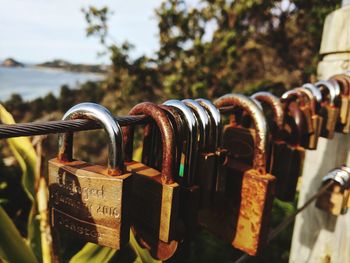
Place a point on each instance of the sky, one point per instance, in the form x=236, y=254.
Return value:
x=34, y=31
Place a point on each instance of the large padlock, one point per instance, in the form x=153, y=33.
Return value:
x=335, y=199
x=343, y=124
x=329, y=106
x=86, y=200
x=155, y=194
x=257, y=187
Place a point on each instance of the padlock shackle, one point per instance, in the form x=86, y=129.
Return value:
x=191, y=148
x=203, y=122
x=316, y=93
x=261, y=141
x=338, y=175
x=168, y=146
x=274, y=103
x=215, y=123
x=333, y=90
x=311, y=99
x=344, y=83
x=104, y=117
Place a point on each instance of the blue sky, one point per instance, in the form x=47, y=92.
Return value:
x=40, y=30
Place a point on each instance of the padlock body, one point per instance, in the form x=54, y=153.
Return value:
x=86, y=202
x=287, y=167
x=317, y=122
x=256, y=203
x=206, y=178
x=154, y=205
x=334, y=201
x=344, y=109
x=330, y=116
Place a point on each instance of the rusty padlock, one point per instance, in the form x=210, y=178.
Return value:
x=86, y=200
x=313, y=96
x=329, y=107
x=275, y=122
x=288, y=155
x=343, y=124
x=299, y=95
x=155, y=194
x=257, y=189
x=335, y=199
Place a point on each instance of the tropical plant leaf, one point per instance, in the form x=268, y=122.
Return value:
x=26, y=157
x=93, y=253
x=13, y=247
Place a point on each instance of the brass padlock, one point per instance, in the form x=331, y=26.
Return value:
x=335, y=199
x=257, y=188
x=86, y=200
x=155, y=194
x=343, y=124
x=329, y=107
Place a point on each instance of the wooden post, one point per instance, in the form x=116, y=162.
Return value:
x=318, y=236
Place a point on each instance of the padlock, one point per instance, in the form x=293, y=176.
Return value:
x=335, y=199
x=257, y=187
x=155, y=194
x=190, y=192
x=206, y=158
x=86, y=200
x=343, y=124
x=308, y=139
x=288, y=155
x=214, y=156
x=329, y=107
x=317, y=120
x=275, y=117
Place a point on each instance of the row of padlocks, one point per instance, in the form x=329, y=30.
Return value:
x=196, y=171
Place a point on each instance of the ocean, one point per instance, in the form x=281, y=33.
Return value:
x=31, y=82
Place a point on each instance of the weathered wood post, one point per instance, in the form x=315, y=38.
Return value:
x=318, y=236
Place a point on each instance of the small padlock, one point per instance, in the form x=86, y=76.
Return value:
x=306, y=104
x=190, y=191
x=335, y=199
x=275, y=122
x=329, y=107
x=155, y=194
x=213, y=157
x=257, y=189
x=206, y=159
x=86, y=200
x=343, y=124
x=312, y=94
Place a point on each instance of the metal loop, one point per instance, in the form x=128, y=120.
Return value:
x=105, y=118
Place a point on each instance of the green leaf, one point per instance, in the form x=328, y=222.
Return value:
x=13, y=247
x=93, y=253
x=25, y=155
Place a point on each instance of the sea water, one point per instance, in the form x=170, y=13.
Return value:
x=31, y=82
